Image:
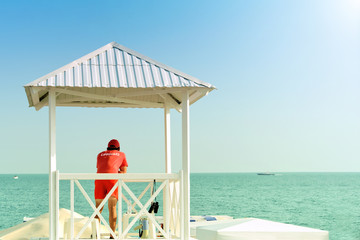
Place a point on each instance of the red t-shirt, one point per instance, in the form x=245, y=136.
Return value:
x=110, y=161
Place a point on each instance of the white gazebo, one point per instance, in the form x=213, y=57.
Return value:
x=115, y=76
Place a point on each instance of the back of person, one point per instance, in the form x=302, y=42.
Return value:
x=110, y=161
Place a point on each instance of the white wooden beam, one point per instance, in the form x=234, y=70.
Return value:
x=108, y=98
x=197, y=95
x=169, y=100
x=186, y=162
x=34, y=95
x=82, y=100
x=149, y=91
x=87, y=102
x=103, y=105
x=72, y=99
x=42, y=103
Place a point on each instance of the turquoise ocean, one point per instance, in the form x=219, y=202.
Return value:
x=327, y=201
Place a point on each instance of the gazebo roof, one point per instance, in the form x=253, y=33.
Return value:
x=115, y=76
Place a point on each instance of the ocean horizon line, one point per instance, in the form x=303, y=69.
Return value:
x=254, y=172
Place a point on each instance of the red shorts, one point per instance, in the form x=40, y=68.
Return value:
x=103, y=187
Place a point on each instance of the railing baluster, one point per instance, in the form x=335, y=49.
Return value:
x=119, y=218
x=167, y=209
x=72, y=209
x=182, y=212
x=57, y=200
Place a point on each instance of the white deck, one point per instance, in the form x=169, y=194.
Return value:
x=259, y=229
x=224, y=228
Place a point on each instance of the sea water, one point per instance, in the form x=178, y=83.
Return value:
x=327, y=201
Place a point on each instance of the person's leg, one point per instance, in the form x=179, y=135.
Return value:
x=112, y=212
x=100, y=193
x=98, y=202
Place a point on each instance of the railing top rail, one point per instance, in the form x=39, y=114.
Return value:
x=128, y=177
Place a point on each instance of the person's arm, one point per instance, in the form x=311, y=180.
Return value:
x=124, y=164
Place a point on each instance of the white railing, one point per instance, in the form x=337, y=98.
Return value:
x=170, y=184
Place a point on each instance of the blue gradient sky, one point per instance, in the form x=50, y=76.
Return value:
x=287, y=74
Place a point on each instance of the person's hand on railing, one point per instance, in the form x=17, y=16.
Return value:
x=123, y=170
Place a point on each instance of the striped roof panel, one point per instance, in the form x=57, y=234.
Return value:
x=115, y=66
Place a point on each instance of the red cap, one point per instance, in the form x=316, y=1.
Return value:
x=114, y=143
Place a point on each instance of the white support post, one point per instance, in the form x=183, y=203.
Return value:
x=72, y=209
x=185, y=106
x=53, y=196
x=167, y=139
x=166, y=205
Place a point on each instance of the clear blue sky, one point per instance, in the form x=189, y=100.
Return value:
x=287, y=73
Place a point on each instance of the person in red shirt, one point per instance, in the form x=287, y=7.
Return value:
x=110, y=161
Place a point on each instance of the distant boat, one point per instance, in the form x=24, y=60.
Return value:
x=266, y=174
x=26, y=219
x=16, y=177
